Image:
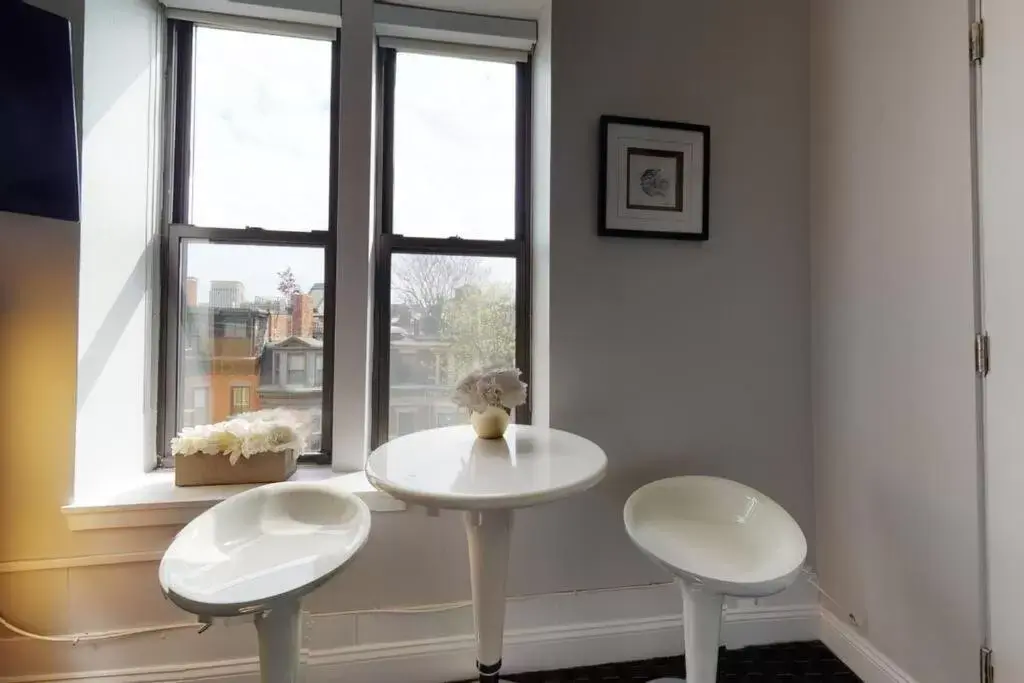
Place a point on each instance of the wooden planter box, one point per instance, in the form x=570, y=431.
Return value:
x=207, y=470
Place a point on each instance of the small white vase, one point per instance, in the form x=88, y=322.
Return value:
x=490, y=424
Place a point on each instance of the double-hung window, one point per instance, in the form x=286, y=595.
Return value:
x=452, y=270
x=250, y=223
x=251, y=204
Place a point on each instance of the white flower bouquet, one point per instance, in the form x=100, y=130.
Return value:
x=243, y=436
x=495, y=388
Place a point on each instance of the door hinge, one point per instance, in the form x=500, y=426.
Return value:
x=977, y=42
x=988, y=672
x=982, y=358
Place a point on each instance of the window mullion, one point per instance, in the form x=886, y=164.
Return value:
x=254, y=236
x=330, y=263
x=179, y=94
x=183, y=41
x=451, y=245
x=380, y=384
x=523, y=220
x=171, y=324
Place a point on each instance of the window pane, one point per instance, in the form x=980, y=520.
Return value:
x=449, y=315
x=240, y=400
x=261, y=131
x=454, y=148
x=249, y=324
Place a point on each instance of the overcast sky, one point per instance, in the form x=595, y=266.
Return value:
x=262, y=152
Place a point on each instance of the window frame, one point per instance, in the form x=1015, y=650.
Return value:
x=179, y=101
x=297, y=356
x=247, y=392
x=318, y=369
x=387, y=243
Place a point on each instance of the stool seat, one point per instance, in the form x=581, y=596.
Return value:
x=270, y=544
x=718, y=537
x=719, y=533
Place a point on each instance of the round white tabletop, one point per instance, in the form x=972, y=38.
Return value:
x=450, y=468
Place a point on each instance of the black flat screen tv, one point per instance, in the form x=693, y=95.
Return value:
x=38, y=131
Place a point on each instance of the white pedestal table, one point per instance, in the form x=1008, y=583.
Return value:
x=450, y=469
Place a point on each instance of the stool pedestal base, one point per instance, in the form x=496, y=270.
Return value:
x=702, y=631
x=279, y=632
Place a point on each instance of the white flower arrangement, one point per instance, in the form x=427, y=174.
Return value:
x=499, y=388
x=246, y=435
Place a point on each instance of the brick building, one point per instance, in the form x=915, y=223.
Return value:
x=220, y=362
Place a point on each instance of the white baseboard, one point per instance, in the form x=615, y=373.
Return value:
x=537, y=639
x=555, y=647
x=543, y=633
x=857, y=652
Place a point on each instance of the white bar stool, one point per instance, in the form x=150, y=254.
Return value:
x=718, y=537
x=259, y=553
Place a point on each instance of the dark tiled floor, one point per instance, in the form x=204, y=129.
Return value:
x=790, y=663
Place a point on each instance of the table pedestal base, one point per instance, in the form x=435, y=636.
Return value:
x=489, y=533
x=490, y=674
x=279, y=639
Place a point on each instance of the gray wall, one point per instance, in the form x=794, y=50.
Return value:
x=683, y=358
x=677, y=358
x=893, y=308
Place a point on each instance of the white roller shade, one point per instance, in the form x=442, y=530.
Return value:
x=239, y=23
x=496, y=37
x=427, y=47
x=300, y=13
x=436, y=26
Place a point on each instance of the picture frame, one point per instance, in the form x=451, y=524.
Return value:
x=654, y=179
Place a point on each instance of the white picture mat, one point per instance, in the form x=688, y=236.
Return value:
x=621, y=137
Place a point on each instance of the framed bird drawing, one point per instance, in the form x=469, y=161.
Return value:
x=655, y=178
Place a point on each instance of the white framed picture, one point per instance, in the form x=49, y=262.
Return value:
x=654, y=179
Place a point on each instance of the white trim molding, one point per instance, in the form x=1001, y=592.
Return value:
x=609, y=625
x=857, y=652
x=387, y=645
x=152, y=499
x=43, y=565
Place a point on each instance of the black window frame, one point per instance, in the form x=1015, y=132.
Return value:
x=179, y=96
x=387, y=243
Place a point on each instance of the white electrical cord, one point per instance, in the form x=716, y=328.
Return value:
x=76, y=638
x=811, y=577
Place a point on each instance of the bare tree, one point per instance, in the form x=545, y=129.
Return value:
x=429, y=281
x=287, y=284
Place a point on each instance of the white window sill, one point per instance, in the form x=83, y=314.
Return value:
x=153, y=500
